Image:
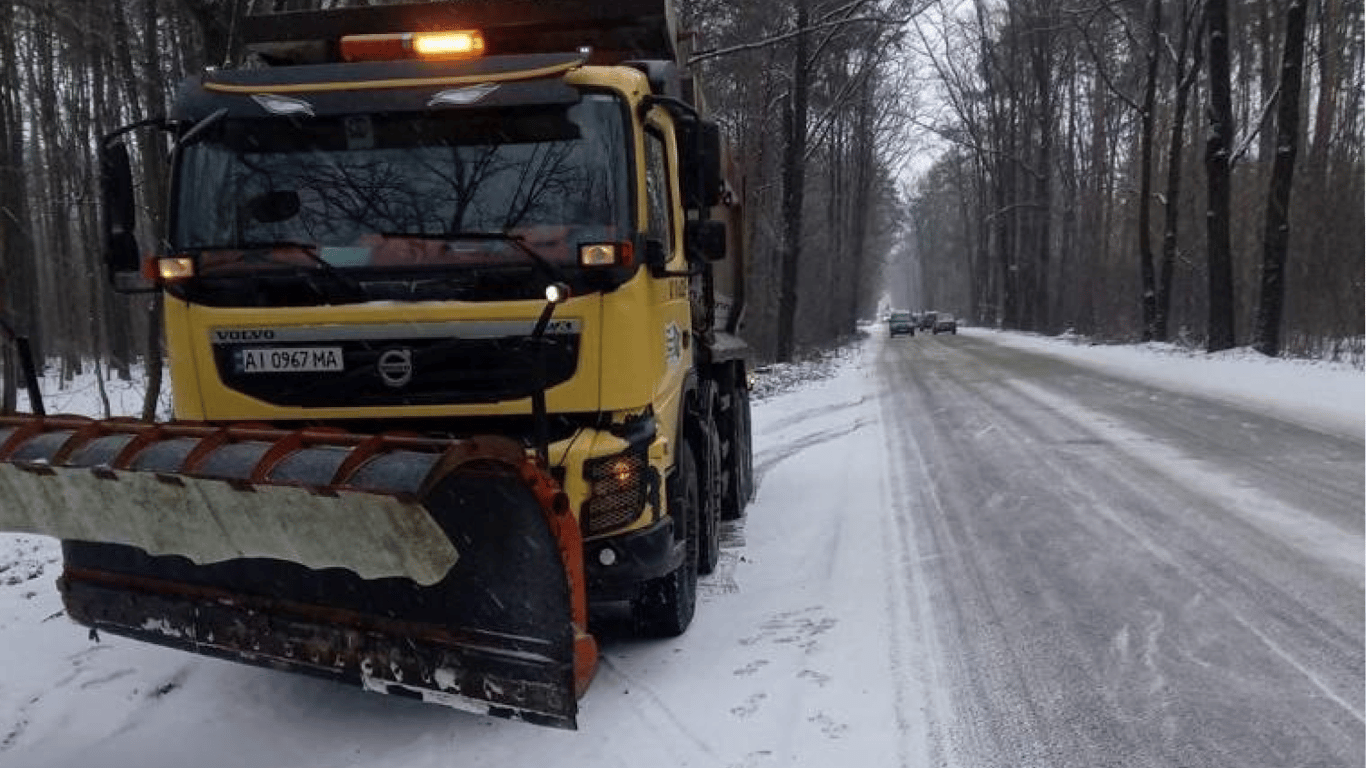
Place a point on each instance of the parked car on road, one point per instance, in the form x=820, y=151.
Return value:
x=899, y=323
x=945, y=323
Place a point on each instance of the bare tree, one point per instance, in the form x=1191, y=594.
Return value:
x=1277, y=232
x=1146, y=119
x=1186, y=66
x=15, y=284
x=1218, y=154
x=1124, y=73
x=814, y=140
x=794, y=181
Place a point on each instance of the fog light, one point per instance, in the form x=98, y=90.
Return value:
x=607, y=556
x=617, y=496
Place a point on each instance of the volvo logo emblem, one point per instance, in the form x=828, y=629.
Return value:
x=395, y=367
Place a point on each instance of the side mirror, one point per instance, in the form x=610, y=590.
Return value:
x=122, y=257
x=700, y=147
x=705, y=239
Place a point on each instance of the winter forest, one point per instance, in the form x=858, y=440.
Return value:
x=1124, y=169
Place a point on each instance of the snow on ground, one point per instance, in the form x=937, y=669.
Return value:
x=66, y=701
x=1325, y=396
x=81, y=395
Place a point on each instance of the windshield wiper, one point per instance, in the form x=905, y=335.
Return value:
x=260, y=250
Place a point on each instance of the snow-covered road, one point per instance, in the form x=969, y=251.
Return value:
x=1121, y=575
x=963, y=553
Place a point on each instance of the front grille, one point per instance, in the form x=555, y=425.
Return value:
x=442, y=371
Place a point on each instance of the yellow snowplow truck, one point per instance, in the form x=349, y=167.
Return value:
x=451, y=294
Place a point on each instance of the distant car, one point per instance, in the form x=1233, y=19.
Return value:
x=899, y=323
x=945, y=324
x=926, y=321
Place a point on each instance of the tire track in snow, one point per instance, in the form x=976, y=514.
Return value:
x=766, y=460
x=921, y=706
x=660, y=719
x=930, y=573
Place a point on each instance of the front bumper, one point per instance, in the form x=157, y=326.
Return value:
x=634, y=558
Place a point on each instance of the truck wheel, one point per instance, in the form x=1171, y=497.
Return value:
x=740, y=472
x=664, y=606
x=712, y=494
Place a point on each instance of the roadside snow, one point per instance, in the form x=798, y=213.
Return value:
x=1325, y=396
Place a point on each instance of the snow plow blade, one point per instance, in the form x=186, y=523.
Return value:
x=444, y=570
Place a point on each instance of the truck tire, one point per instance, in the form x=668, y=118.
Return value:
x=735, y=427
x=711, y=487
x=664, y=607
x=709, y=519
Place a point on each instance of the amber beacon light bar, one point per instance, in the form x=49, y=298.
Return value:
x=432, y=46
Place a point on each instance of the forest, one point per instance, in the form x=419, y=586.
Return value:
x=1185, y=170
x=1166, y=170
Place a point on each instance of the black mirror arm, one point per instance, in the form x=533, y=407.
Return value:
x=158, y=122
x=200, y=127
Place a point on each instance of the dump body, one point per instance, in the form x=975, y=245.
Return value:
x=453, y=351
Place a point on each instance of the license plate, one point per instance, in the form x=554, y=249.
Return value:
x=290, y=360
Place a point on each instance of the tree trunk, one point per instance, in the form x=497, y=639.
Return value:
x=1184, y=79
x=1042, y=63
x=10, y=173
x=1098, y=202
x=864, y=154
x=1145, y=173
x=1277, y=232
x=794, y=179
x=154, y=180
x=1218, y=147
x=983, y=297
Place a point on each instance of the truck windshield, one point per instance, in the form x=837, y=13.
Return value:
x=402, y=193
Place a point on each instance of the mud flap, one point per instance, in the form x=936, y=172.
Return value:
x=449, y=571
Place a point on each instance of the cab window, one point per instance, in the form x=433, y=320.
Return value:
x=659, y=219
